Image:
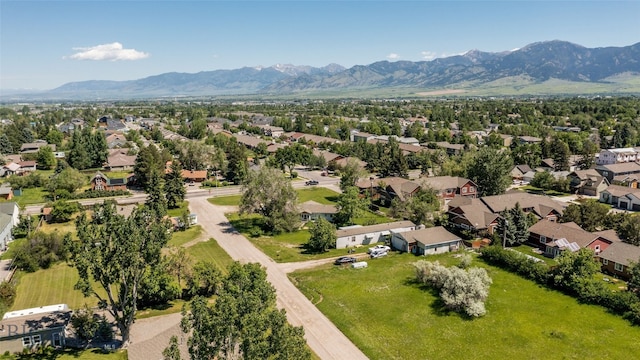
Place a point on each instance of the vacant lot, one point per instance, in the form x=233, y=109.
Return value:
x=210, y=251
x=387, y=315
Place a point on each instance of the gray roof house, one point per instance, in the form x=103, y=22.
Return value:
x=426, y=241
x=357, y=235
x=35, y=327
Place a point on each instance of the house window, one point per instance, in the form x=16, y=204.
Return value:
x=37, y=340
x=464, y=190
x=56, y=340
x=353, y=239
x=605, y=262
x=619, y=267
x=472, y=189
x=543, y=239
x=26, y=341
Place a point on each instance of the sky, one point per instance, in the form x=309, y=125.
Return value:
x=45, y=44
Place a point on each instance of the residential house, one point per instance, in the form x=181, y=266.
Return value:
x=328, y=156
x=341, y=163
x=617, y=258
x=120, y=161
x=33, y=328
x=622, y=197
x=311, y=211
x=631, y=180
x=553, y=238
x=448, y=187
x=506, y=140
x=271, y=131
x=426, y=241
x=11, y=208
x=519, y=171
x=310, y=138
x=357, y=235
x=29, y=148
x=101, y=182
x=587, y=182
x=361, y=136
x=116, y=140
x=472, y=214
x=10, y=169
x=407, y=148
x=451, y=149
x=249, y=141
x=6, y=192
x=389, y=188
x=6, y=225
x=612, y=171
x=618, y=155
x=194, y=175
x=529, y=140
x=27, y=167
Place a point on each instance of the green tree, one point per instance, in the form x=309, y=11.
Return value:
x=590, y=215
x=633, y=284
x=45, y=158
x=78, y=156
x=69, y=180
x=243, y=323
x=112, y=254
x=507, y=228
x=157, y=286
x=268, y=193
x=174, y=186
x=179, y=263
x=350, y=174
x=148, y=161
x=323, y=236
x=543, y=180
x=5, y=145
x=156, y=199
x=629, y=230
x=97, y=148
x=574, y=267
x=560, y=154
x=62, y=211
x=85, y=323
x=205, y=279
x=350, y=206
x=587, y=154
x=173, y=351
x=490, y=169
x=237, y=165
x=521, y=223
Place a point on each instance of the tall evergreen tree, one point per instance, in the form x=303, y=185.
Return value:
x=174, y=186
x=560, y=154
x=156, y=199
x=5, y=145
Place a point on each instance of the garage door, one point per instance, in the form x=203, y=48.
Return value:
x=635, y=207
x=623, y=204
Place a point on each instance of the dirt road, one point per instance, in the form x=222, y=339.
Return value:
x=324, y=338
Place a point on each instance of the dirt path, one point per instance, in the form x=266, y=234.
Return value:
x=324, y=338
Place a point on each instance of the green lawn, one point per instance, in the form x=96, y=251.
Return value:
x=48, y=287
x=233, y=200
x=10, y=253
x=387, y=315
x=535, y=190
x=172, y=307
x=31, y=196
x=210, y=251
x=179, y=238
x=178, y=211
x=318, y=194
x=69, y=354
x=528, y=250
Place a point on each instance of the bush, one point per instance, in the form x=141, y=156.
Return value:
x=7, y=294
x=41, y=251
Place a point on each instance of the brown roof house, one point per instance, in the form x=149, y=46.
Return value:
x=612, y=171
x=35, y=327
x=472, y=214
x=623, y=197
x=587, y=182
x=103, y=183
x=120, y=161
x=426, y=241
x=311, y=211
x=617, y=258
x=554, y=238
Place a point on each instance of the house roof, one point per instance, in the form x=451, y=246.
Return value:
x=33, y=321
x=120, y=159
x=328, y=156
x=111, y=181
x=5, y=189
x=317, y=139
x=610, y=235
x=444, y=182
x=36, y=145
x=248, y=140
x=29, y=163
x=541, y=205
x=621, y=253
x=430, y=236
x=312, y=207
x=359, y=230
x=5, y=220
x=194, y=174
x=585, y=174
x=9, y=208
x=475, y=212
x=555, y=231
x=627, y=167
x=620, y=191
x=12, y=166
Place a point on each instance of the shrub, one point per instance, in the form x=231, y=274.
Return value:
x=41, y=251
x=90, y=194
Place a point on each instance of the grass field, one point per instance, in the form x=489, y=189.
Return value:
x=179, y=238
x=210, y=251
x=178, y=211
x=93, y=354
x=48, y=287
x=318, y=194
x=387, y=315
x=31, y=196
x=232, y=200
x=10, y=253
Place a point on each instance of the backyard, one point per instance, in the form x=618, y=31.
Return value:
x=389, y=316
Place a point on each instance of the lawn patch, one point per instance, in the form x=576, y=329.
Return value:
x=390, y=316
x=74, y=354
x=179, y=238
x=177, y=212
x=233, y=200
x=211, y=251
x=31, y=196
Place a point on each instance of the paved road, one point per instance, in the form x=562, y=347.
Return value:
x=324, y=338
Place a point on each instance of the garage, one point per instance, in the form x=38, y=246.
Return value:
x=623, y=204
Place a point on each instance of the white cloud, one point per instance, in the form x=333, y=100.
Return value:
x=428, y=55
x=393, y=56
x=111, y=52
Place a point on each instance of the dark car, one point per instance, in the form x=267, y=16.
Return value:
x=345, y=260
x=311, y=182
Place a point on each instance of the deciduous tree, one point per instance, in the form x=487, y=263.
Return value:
x=350, y=206
x=490, y=170
x=112, y=254
x=323, y=236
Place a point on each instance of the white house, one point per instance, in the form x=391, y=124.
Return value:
x=311, y=211
x=11, y=208
x=5, y=230
x=426, y=241
x=365, y=235
x=615, y=156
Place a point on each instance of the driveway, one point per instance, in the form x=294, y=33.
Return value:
x=323, y=337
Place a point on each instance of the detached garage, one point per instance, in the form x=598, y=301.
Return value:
x=429, y=241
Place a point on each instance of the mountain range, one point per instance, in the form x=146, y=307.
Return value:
x=551, y=66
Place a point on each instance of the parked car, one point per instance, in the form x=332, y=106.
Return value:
x=379, y=253
x=311, y=182
x=377, y=248
x=345, y=260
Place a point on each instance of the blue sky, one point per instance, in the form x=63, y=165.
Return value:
x=44, y=44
